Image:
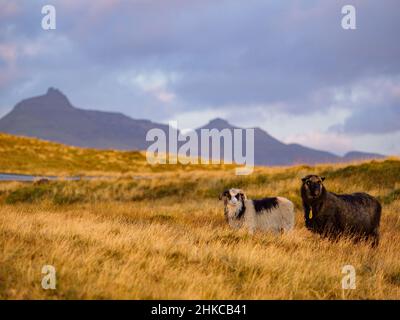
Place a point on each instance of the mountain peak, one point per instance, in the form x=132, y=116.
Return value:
x=218, y=123
x=56, y=95
x=53, y=91
x=52, y=100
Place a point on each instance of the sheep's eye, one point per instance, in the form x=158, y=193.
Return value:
x=237, y=196
x=308, y=182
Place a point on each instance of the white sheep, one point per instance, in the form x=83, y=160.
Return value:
x=268, y=214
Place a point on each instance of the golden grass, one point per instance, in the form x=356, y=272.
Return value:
x=167, y=250
x=164, y=237
x=37, y=157
x=179, y=247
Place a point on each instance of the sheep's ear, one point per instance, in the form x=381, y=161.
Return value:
x=322, y=178
x=223, y=194
x=304, y=179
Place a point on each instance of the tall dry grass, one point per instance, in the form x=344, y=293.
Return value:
x=159, y=233
x=166, y=238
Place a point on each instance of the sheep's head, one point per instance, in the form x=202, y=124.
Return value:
x=233, y=201
x=312, y=187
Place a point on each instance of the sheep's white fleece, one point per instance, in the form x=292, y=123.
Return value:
x=279, y=219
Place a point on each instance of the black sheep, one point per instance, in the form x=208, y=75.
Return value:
x=330, y=214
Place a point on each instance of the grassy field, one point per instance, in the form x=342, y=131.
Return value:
x=159, y=233
x=33, y=156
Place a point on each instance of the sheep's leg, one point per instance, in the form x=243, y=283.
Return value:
x=375, y=240
x=250, y=223
x=251, y=230
x=357, y=238
x=329, y=231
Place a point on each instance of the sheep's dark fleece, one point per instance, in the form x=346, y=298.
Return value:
x=331, y=214
x=265, y=204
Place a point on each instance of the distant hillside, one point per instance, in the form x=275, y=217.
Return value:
x=270, y=151
x=355, y=155
x=52, y=117
x=33, y=156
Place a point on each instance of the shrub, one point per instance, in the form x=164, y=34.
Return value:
x=28, y=194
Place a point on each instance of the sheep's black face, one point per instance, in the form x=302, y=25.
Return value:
x=312, y=186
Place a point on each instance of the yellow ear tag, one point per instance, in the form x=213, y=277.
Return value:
x=310, y=214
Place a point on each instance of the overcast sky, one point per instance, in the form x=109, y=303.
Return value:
x=285, y=66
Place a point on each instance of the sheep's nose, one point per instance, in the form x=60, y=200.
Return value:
x=315, y=192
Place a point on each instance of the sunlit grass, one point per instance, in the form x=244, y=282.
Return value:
x=163, y=236
x=38, y=157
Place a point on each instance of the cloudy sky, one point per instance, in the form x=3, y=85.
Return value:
x=285, y=66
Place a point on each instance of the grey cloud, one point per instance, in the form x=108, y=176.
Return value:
x=260, y=53
x=226, y=52
x=376, y=120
